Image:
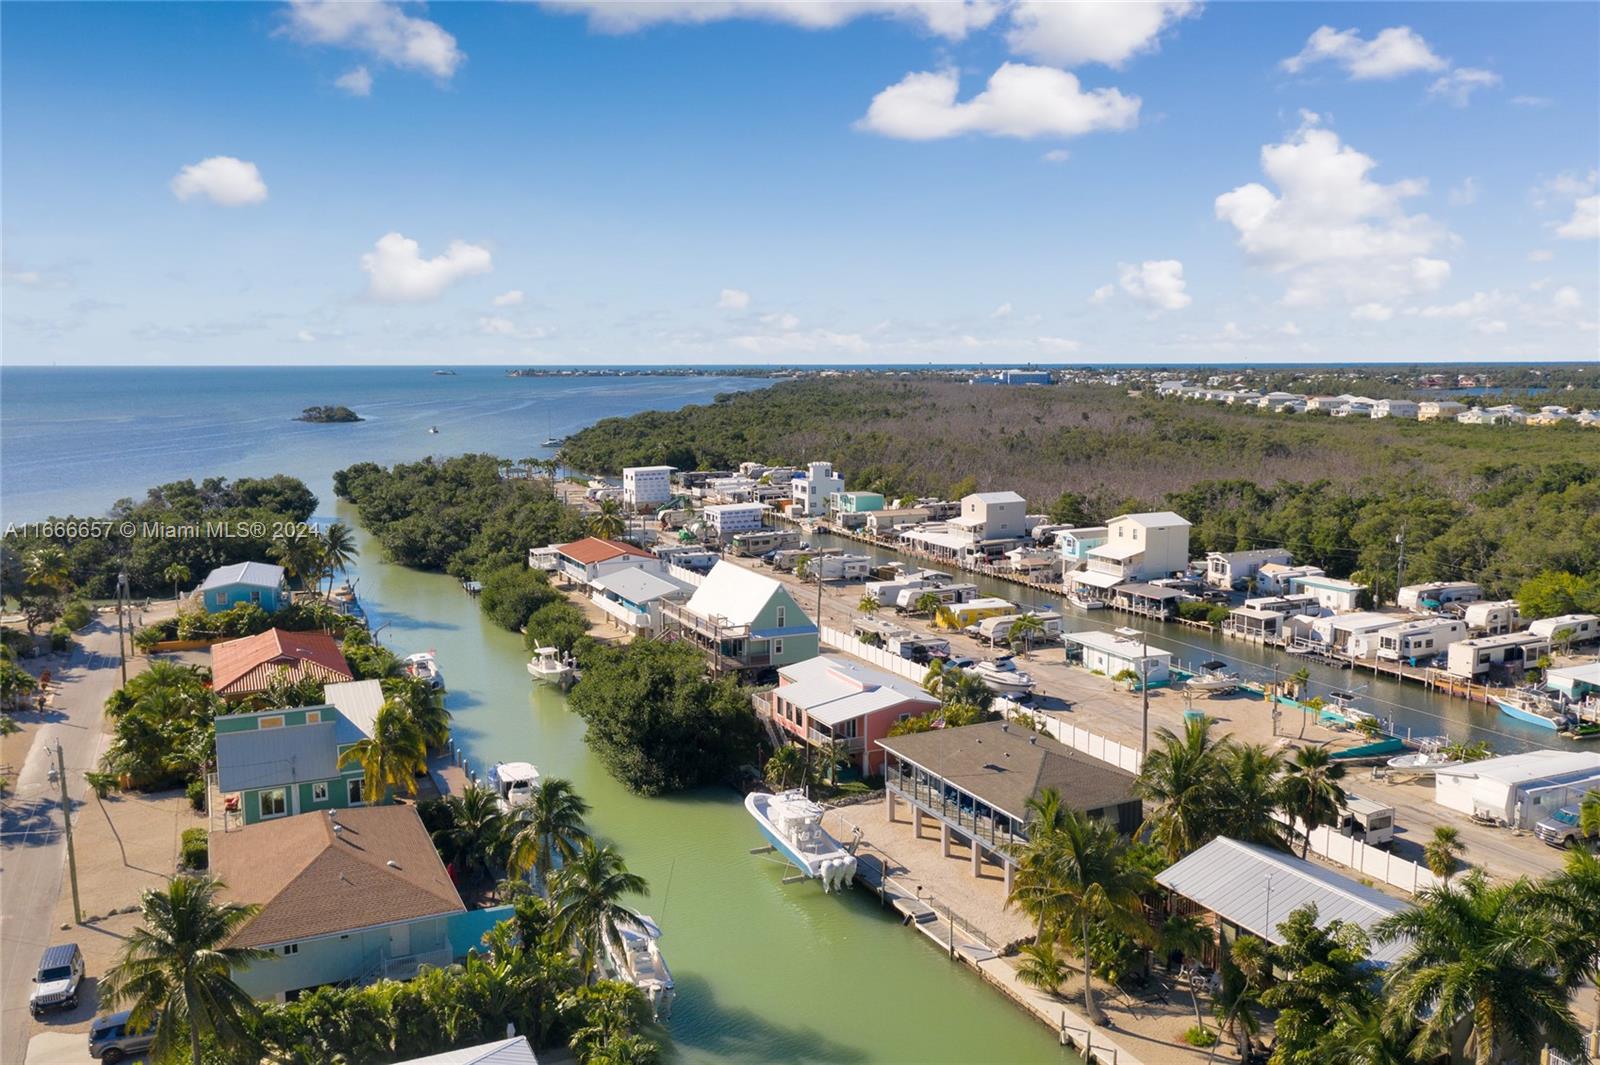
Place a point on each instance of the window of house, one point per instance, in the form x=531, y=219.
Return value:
x=274, y=802
x=290, y=948
x=777, y=647
x=353, y=791
x=319, y=792
x=255, y=595
x=313, y=716
x=782, y=614
x=270, y=722
x=222, y=599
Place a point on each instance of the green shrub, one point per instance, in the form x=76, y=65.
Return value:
x=196, y=791
x=102, y=783
x=1190, y=610
x=194, y=853
x=557, y=624
x=1200, y=1036
x=512, y=593
x=60, y=637
x=76, y=615
x=151, y=635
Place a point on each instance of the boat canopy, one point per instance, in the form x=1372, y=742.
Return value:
x=510, y=773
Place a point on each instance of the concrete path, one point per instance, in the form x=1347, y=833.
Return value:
x=32, y=844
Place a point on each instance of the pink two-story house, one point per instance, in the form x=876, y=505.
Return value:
x=832, y=697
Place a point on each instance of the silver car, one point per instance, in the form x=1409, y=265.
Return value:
x=111, y=1041
x=1560, y=829
x=55, y=984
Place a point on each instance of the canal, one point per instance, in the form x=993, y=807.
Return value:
x=764, y=971
x=1413, y=708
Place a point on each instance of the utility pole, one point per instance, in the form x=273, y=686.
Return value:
x=122, y=598
x=1144, y=690
x=66, y=815
x=1400, y=564
x=1274, y=698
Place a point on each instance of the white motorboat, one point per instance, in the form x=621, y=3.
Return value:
x=1214, y=678
x=1003, y=677
x=640, y=963
x=433, y=430
x=1084, y=602
x=513, y=783
x=424, y=666
x=1427, y=758
x=793, y=824
x=548, y=666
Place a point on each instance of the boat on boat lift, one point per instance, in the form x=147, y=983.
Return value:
x=1429, y=757
x=1535, y=706
x=1085, y=602
x=424, y=666
x=639, y=962
x=513, y=784
x=548, y=665
x=1214, y=678
x=793, y=825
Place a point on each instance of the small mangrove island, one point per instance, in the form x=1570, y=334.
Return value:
x=326, y=415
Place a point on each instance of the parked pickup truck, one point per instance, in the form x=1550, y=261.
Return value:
x=1560, y=829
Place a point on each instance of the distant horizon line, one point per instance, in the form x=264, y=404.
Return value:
x=780, y=366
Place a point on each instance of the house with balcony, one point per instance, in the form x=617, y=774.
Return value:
x=1439, y=410
x=1272, y=578
x=345, y=897
x=246, y=582
x=1142, y=547
x=832, y=699
x=811, y=490
x=745, y=622
x=726, y=519
x=1075, y=543
x=974, y=783
x=632, y=597
x=581, y=561
x=993, y=517
x=1395, y=408
x=247, y=666
x=282, y=762
x=1233, y=569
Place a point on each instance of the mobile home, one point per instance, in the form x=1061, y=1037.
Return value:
x=1111, y=653
x=997, y=629
x=973, y=611
x=1412, y=640
x=1575, y=628
x=1475, y=659
x=1487, y=618
x=947, y=594
x=1436, y=594
x=759, y=542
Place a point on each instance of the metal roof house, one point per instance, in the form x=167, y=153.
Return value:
x=632, y=596
x=1518, y=789
x=743, y=620
x=514, y=1051
x=832, y=698
x=1254, y=889
x=975, y=783
x=276, y=763
x=1110, y=653
x=246, y=582
x=245, y=666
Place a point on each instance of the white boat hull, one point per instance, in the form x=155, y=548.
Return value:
x=829, y=862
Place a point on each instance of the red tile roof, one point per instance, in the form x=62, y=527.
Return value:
x=240, y=667
x=592, y=549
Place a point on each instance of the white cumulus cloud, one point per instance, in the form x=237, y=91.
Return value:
x=381, y=29
x=356, y=82
x=1566, y=298
x=1091, y=31
x=733, y=299
x=1392, y=53
x=1057, y=155
x=951, y=19
x=781, y=320
x=1002, y=311
x=1063, y=345
x=400, y=274
x=1372, y=312
x=1585, y=221
x=1019, y=101
x=222, y=179
x=1102, y=294
x=1330, y=229
x=807, y=342
x=1458, y=86
x=1157, y=282
x=1464, y=194
x=508, y=299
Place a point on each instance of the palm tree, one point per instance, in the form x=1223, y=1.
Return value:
x=1077, y=881
x=1325, y=974
x=1589, y=815
x=476, y=835
x=1244, y=971
x=1443, y=851
x=176, y=971
x=338, y=550
x=549, y=827
x=1311, y=790
x=1040, y=966
x=301, y=559
x=587, y=892
x=1184, y=777
x=1025, y=628
x=1569, y=897
x=607, y=523
x=927, y=603
x=49, y=568
x=179, y=575
x=391, y=757
x=1254, y=776
x=423, y=703
x=1481, y=955
x=832, y=755
x=869, y=604
x=785, y=767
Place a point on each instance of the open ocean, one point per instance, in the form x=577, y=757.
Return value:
x=73, y=441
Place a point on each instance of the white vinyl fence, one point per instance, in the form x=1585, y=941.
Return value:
x=1373, y=863
x=687, y=576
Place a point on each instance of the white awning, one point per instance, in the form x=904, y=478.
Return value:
x=1095, y=579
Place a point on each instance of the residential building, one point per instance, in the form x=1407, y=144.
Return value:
x=1273, y=578
x=1508, y=653
x=345, y=897
x=745, y=621
x=1492, y=619
x=725, y=519
x=1357, y=407
x=1518, y=790
x=1327, y=404
x=855, y=502
x=1395, y=408
x=759, y=542
x=735, y=489
x=633, y=595
x=1576, y=683
x=1438, y=410
x=972, y=611
x=1510, y=412
x=1331, y=592
x=1233, y=569
x=250, y=665
x=887, y=524
x=246, y=582
x=993, y=517
x=975, y=783
x=831, y=698
x=1412, y=641
x=581, y=561
x=1571, y=629
x=1012, y=377
x=1549, y=416
x=1111, y=654
x=1246, y=888
x=1076, y=543
x=513, y=1051
x=1435, y=594
x=278, y=763
x=647, y=486
x=1143, y=547
x=1336, y=631
x=812, y=490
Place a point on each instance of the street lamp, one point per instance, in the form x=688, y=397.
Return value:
x=122, y=599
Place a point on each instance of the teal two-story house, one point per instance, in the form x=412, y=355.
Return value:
x=246, y=582
x=745, y=621
x=277, y=763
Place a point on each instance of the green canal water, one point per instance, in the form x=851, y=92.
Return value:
x=765, y=972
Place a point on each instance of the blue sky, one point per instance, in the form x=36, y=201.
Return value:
x=730, y=182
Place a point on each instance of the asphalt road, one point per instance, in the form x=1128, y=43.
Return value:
x=33, y=852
